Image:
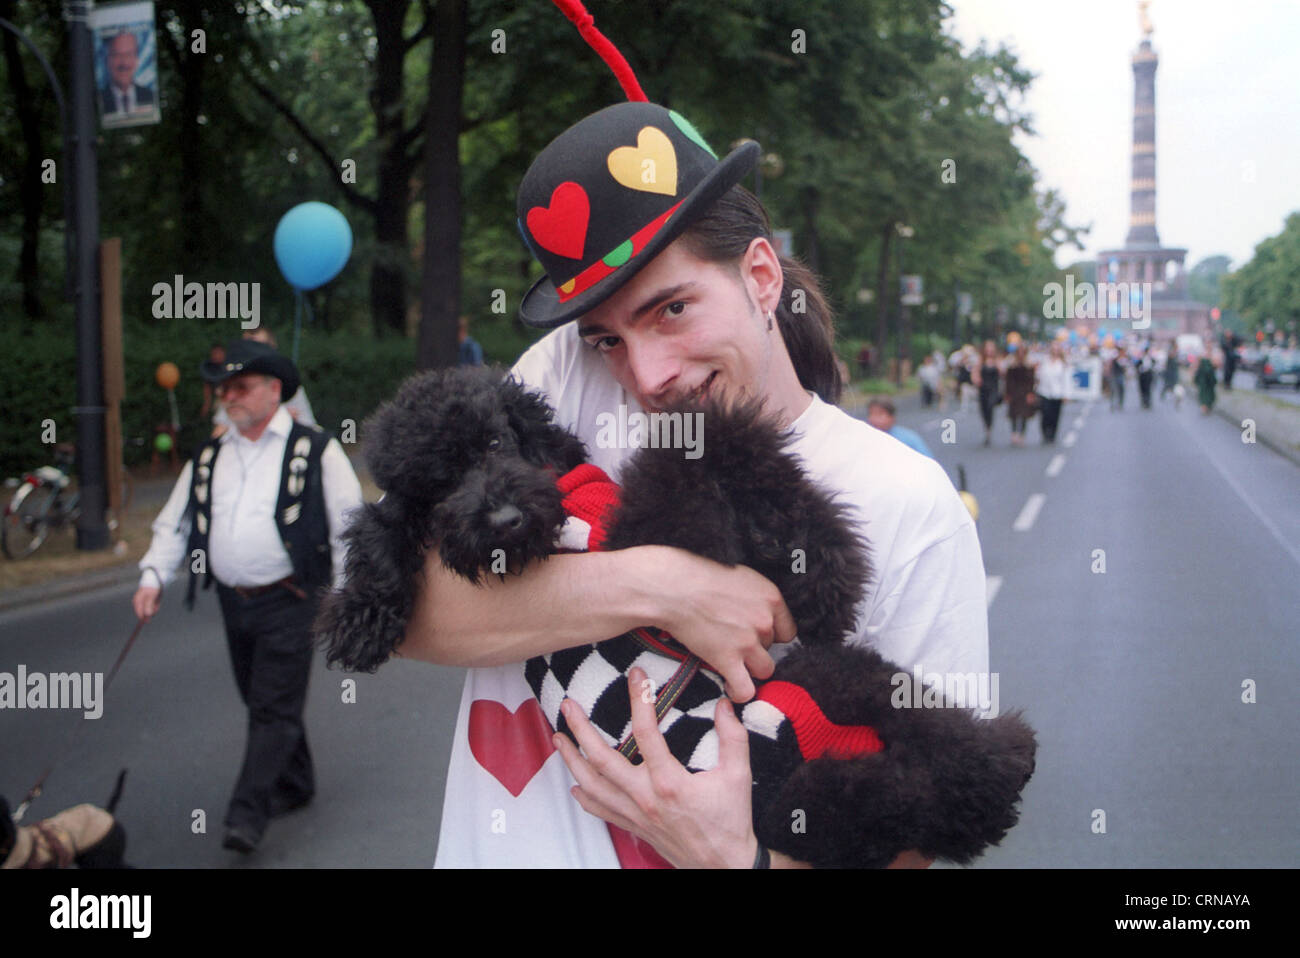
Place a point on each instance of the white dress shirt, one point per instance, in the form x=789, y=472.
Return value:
x=1053, y=379
x=244, y=545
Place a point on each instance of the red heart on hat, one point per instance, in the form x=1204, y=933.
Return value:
x=511, y=746
x=561, y=228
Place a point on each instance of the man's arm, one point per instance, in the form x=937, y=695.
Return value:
x=171, y=532
x=728, y=616
x=342, y=494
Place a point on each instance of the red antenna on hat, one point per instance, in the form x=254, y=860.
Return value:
x=576, y=12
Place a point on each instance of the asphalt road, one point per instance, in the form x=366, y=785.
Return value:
x=1132, y=677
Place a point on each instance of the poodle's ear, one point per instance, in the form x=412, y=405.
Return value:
x=398, y=438
x=541, y=441
x=361, y=624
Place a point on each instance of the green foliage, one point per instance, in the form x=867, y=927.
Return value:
x=1267, y=289
x=346, y=377
x=864, y=118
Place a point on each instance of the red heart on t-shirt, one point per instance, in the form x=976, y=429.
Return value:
x=562, y=227
x=512, y=746
x=632, y=852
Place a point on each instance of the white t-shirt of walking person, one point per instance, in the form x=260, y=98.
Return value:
x=507, y=802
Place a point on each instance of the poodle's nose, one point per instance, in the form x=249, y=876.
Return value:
x=506, y=517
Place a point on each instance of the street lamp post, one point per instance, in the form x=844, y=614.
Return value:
x=92, y=529
x=904, y=316
x=81, y=280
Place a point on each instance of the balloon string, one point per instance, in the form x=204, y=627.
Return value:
x=298, y=299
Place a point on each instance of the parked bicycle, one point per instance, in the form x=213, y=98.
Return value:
x=46, y=499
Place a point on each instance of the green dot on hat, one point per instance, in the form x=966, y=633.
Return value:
x=619, y=255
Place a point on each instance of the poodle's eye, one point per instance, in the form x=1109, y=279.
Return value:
x=494, y=444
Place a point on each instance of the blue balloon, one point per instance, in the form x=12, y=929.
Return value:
x=312, y=244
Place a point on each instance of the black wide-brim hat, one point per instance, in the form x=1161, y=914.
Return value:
x=608, y=195
x=250, y=356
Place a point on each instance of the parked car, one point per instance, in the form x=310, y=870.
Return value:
x=1252, y=358
x=1281, y=368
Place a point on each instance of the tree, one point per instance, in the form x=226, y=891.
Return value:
x=382, y=46
x=1267, y=289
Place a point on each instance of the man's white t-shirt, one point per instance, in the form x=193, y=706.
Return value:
x=507, y=801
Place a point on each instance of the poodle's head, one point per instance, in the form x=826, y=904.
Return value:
x=479, y=454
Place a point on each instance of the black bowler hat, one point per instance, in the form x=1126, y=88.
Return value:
x=609, y=193
x=250, y=356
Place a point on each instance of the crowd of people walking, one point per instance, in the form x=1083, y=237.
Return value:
x=1034, y=379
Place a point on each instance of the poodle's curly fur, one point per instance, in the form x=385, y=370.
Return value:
x=468, y=460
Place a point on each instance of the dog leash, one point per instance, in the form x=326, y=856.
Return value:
x=671, y=690
x=34, y=792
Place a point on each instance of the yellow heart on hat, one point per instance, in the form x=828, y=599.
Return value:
x=650, y=166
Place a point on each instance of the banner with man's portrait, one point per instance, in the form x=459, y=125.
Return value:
x=126, y=64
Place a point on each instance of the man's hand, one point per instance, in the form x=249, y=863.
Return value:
x=695, y=821
x=146, y=601
x=729, y=617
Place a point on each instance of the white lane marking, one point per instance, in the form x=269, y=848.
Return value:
x=1056, y=465
x=1267, y=523
x=1078, y=424
x=1070, y=439
x=1025, y=521
x=992, y=583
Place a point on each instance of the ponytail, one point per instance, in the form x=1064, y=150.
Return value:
x=722, y=234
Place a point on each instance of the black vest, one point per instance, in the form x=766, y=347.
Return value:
x=300, y=513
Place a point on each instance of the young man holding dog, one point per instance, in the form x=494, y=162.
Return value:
x=691, y=299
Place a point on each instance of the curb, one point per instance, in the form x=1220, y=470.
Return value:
x=29, y=595
x=1273, y=442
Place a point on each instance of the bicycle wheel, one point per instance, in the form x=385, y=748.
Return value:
x=26, y=520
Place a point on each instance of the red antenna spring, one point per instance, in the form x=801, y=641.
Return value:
x=576, y=12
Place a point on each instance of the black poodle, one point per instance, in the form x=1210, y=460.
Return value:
x=473, y=466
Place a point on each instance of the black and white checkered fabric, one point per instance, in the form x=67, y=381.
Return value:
x=595, y=677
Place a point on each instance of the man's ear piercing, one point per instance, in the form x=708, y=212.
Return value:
x=770, y=318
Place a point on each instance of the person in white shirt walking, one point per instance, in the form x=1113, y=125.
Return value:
x=261, y=509
x=1053, y=377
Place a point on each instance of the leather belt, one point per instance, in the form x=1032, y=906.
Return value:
x=249, y=592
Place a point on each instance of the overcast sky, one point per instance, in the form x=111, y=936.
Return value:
x=1227, y=113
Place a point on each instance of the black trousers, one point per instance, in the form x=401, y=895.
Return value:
x=988, y=402
x=1145, y=381
x=271, y=652
x=1051, y=418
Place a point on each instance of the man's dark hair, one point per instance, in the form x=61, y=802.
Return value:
x=884, y=404
x=722, y=234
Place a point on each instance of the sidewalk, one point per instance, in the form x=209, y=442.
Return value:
x=57, y=570
x=1277, y=423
